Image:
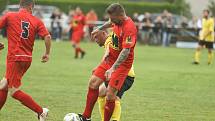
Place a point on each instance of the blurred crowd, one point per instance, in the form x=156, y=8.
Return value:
x=158, y=29
x=153, y=29
x=73, y=23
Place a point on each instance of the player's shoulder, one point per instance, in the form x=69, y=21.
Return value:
x=36, y=19
x=211, y=19
x=208, y=20
x=8, y=14
x=130, y=25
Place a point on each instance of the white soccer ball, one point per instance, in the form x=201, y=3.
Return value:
x=71, y=117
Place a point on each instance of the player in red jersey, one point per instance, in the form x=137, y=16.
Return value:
x=77, y=25
x=22, y=28
x=115, y=66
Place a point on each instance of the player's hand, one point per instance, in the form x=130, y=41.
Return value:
x=45, y=58
x=94, y=34
x=108, y=73
x=1, y=46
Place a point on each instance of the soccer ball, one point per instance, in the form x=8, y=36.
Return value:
x=71, y=117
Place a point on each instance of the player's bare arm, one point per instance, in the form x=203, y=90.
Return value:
x=121, y=58
x=45, y=57
x=1, y=46
x=106, y=25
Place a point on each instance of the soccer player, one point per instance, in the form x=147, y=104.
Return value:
x=116, y=64
x=78, y=23
x=102, y=39
x=22, y=28
x=206, y=38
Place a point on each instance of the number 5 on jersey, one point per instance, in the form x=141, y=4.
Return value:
x=25, y=29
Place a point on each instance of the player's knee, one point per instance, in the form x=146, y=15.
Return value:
x=73, y=45
x=198, y=48
x=3, y=84
x=12, y=91
x=209, y=51
x=94, y=82
x=111, y=94
x=102, y=91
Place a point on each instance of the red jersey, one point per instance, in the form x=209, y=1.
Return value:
x=124, y=36
x=78, y=22
x=22, y=28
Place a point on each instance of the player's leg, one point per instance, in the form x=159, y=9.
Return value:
x=93, y=92
x=92, y=96
x=209, y=45
x=116, y=82
x=75, y=46
x=210, y=56
x=76, y=38
x=198, y=52
x=14, y=82
x=117, y=110
x=110, y=102
x=80, y=50
x=3, y=92
x=126, y=86
x=101, y=100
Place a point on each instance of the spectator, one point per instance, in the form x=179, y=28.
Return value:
x=167, y=25
x=137, y=22
x=56, y=26
x=184, y=23
x=146, y=28
x=37, y=13
x=158, y=25
x=91, y=17
x=135, y=17
x=193, y=24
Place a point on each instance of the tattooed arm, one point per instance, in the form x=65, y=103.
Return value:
x=121, y=58
x=106, y=25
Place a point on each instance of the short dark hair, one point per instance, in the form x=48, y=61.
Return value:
x=115, y=9
x=206, y=10
x=25, y=3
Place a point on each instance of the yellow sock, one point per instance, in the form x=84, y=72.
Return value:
x=197, y=56
x=101, y=102
x=117, y=111
x=210, y=58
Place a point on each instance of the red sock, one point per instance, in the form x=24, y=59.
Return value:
x=76, y=52
x=27, y=101
x=109, y=108
x=3, y=97
x=80, y=50
x=91, y=100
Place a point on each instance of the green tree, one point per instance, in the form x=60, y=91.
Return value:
x=182, y=5
x=3, y=3
x=211, y=7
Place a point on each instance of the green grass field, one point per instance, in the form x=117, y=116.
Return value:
x=167, y=86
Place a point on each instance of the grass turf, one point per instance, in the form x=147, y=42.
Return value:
x=167, y=86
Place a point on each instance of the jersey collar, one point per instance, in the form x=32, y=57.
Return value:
x=23, y=10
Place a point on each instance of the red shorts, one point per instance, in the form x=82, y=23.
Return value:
x=77, y=36
x=118, y=76
x=15, y=72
